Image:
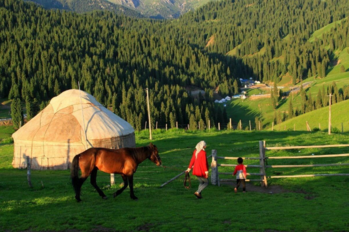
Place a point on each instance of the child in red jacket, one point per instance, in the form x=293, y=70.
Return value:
x=240, y=172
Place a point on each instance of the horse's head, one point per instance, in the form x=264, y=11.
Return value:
x=154, y=157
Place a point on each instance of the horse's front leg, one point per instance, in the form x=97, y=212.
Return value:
x=124, y=178
x=94, y=183
x=132, y=195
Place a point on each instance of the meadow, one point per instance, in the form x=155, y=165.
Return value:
x=304, y=204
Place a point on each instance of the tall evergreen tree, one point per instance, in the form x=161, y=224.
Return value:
x=17, y=113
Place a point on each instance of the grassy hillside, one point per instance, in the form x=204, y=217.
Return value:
x=247, y=110
x=318, y=34
x=319, y=119
x=50, y=204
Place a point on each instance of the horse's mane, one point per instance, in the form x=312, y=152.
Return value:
x=140, y=152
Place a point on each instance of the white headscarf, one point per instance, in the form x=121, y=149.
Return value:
x=200, y=146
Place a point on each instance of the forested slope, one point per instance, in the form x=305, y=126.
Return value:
x=46, y=52
x=269, y=38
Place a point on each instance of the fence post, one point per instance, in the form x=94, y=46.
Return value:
x=262, y=163
x=112, y=179
x=29, y=172
x=214, y=169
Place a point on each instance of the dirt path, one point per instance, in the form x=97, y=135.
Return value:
x=273, y=189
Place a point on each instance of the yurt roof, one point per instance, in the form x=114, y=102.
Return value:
x=67, y=117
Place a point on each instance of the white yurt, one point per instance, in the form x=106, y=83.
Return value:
x=73, y=122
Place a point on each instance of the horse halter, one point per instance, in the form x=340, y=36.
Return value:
x=156, y=156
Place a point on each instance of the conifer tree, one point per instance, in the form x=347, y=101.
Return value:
x=290, y=109
x=17, y=113
x=236, y=87
x=192, y=123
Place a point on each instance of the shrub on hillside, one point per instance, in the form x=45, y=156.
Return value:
x=335, y=130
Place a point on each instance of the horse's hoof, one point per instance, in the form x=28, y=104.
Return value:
x=77, y=199
x=134, y=198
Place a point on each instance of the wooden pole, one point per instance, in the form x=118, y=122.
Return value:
x=214, y=169
x=83, y=118
x=176, y=124
x=240, y=124
x=145, y=125
x=230, y=123
x=250, y=124
x=209, y=125
x=112, y=179
x=219, y=126
x=172, y=179
x=29, y=172
x=309, y=175
x=166, y=126
x=156, y=125
x=329, y=115
x=264, y=182
x=313, y=146
x=148, y=106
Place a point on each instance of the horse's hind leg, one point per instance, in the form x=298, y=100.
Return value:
x=94, y=183
x=124, y=178
x=132, y=195
x=77, y=187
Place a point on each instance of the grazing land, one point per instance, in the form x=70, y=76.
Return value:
x=304, y=204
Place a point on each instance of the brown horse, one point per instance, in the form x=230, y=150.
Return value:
x=122, y=161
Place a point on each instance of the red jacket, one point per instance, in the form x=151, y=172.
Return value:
x=239, y=169
x=200, y=164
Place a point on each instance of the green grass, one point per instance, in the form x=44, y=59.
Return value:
x=319, y=119
x=310, y=204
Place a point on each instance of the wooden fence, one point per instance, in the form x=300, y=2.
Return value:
x=215, y=180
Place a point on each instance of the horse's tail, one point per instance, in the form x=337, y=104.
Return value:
x=74, y=172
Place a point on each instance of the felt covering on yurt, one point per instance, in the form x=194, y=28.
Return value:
x=73, y=122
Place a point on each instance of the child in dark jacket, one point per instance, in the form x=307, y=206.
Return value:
x=240, y=172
